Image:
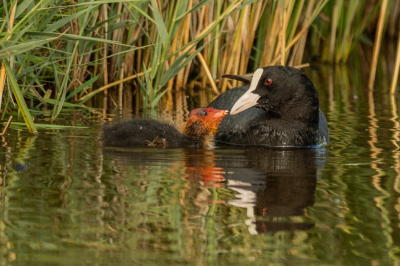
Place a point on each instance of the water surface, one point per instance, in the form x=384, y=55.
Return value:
x=66, y=200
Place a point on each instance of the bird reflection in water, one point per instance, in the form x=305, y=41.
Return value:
x=201, y=166
x=273, y=185
x=270, y=183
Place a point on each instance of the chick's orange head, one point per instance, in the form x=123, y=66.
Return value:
x=204, y=121
x=208, y=113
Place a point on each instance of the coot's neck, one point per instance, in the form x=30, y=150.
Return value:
x=300, y=111
x=294, y=127
x=307, y=116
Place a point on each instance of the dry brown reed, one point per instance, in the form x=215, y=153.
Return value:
x=231, y=40
x=142, y=40
x=378, y=41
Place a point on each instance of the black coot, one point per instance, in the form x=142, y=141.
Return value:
x=280, y=108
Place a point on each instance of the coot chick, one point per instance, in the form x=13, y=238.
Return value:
x=200, y=128
x=279, y=109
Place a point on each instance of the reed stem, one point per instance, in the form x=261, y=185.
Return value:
x=377, y=46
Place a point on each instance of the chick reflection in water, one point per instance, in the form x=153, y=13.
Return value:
x=270, y=183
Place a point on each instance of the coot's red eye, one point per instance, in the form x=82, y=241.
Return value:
x=268, y=81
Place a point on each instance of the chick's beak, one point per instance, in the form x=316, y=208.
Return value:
x=248, y=99
x=222, y=113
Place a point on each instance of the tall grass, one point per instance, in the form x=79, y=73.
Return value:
x=62, y=53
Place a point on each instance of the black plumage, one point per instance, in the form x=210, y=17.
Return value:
x=199, y=131
x=283, y=113
x=142, y=132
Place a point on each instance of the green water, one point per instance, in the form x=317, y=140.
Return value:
x=66, y=200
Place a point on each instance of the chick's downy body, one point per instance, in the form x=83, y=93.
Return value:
x=199, y=131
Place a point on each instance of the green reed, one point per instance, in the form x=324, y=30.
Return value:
x=63, y=53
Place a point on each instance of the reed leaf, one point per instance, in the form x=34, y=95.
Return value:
x=82, y=87
x=12, y=50
x=47, y=126
x=20, y=99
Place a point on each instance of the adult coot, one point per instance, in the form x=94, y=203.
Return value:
x=280, y=108
x=200, y=128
